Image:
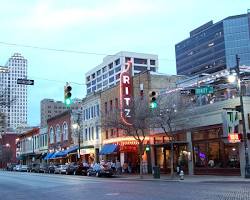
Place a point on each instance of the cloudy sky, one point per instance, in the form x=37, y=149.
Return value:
x=99, y=27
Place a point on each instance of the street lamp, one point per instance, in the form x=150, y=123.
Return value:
x=76, y=127
x=247, y=166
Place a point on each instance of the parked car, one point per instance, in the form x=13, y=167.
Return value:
x=23, y=168
x=17, y=168
x=76, y=169
x=34, y=167
x=100, y=171
x=11, y=166
x=44, y=168
x=60, y=169
x=51, y=168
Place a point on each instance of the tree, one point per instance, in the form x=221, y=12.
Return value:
x=170, y=115
x=138, y=127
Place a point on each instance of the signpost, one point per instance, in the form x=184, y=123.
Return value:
x=204, y=90
x=25, y=81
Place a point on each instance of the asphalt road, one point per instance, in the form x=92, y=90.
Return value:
x=31, y=186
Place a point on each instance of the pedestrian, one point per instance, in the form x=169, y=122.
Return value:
x=118, y=167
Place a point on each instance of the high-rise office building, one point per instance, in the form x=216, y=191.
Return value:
x=15, y=95
x=50, y=108
x=107, y=74
x=212, y=47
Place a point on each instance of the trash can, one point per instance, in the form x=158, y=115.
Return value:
x=156, y=172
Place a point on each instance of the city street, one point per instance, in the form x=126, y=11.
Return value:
x=20, y=186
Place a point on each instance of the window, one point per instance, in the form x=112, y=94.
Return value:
x=93, y=76
x=89, y=134
x=98, y=72
x=152, y=62
x=107, y=134
x=111, y=105
x=88, y=78
x=153, y=69
x=112, y=132
x=92, y=133
x=139, y=68
x=110, y=65
x=92, y=112
x=58, y=133
x=116, y=103
x=117, y=62
x=105, y=76
x=97, y=110
x=117, y=69
x=140, y=61
x=104, y=69
x=106, y=107
x=97, y=132
x=111, y=72
x=51, y=135
x=111, y=79
x=86, y=134
x=65, y=131
x=127, y=59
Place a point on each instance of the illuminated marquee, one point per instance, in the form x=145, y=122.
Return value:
x=126, y=94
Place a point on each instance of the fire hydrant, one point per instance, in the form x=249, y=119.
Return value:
x=181, y=175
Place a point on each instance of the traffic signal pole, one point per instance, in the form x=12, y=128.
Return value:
x=247, y=166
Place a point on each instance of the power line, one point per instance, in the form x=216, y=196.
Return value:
x=54, y=80
x=66, y=50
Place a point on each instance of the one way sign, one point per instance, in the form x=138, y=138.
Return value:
x=25, y=81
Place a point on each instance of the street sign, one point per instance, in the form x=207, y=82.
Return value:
x=25, y=81
x=187, y=91
x=204, y=90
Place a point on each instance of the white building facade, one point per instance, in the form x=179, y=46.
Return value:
x=108, y=72
x=16, y=111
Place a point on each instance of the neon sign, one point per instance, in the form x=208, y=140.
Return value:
x=126, y=94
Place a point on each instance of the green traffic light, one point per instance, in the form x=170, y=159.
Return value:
x=153, y=105
x=68, y=102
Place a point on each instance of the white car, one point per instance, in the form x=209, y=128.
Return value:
x=60, y=169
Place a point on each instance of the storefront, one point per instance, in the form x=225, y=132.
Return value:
x=125, y=149
x=162, y=152
x=213, y=154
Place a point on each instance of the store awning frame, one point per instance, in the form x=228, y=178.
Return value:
x=108, y=149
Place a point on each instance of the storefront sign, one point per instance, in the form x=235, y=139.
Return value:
x=126, y=94
x=230, y=122
x=128, y=148
x=234, y=137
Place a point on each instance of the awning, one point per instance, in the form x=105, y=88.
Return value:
x=108, y=149
x=48, y=156
x=65, y=152
x=72, y=149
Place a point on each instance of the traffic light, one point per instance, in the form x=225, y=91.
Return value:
x=152, y=97
x=67, y=95
x=147, y=147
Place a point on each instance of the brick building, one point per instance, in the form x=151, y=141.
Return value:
x=117, y=145
x=62, y=140
x=7, y=149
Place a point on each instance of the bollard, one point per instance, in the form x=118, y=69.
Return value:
x=181, y=175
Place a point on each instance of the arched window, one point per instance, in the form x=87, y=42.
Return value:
x=51, y=135
x=58, y=133
x=65, y=131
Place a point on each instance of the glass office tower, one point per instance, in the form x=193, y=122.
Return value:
x=212, y=47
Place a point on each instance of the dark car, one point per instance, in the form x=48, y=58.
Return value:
x=44, y=168
x=51, y=168
x=76, y=169
x=99, y=171
x=10, y=166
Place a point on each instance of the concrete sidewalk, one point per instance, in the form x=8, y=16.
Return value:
x=187, y=178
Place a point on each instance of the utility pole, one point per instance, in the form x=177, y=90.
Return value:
x=78, y=134
x=247, y=166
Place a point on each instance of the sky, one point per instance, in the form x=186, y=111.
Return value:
x=94, y=29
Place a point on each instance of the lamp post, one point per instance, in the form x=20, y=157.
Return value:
x=247, y=166
x=76, y=127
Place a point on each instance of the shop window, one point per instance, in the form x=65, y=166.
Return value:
x=107, y=134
